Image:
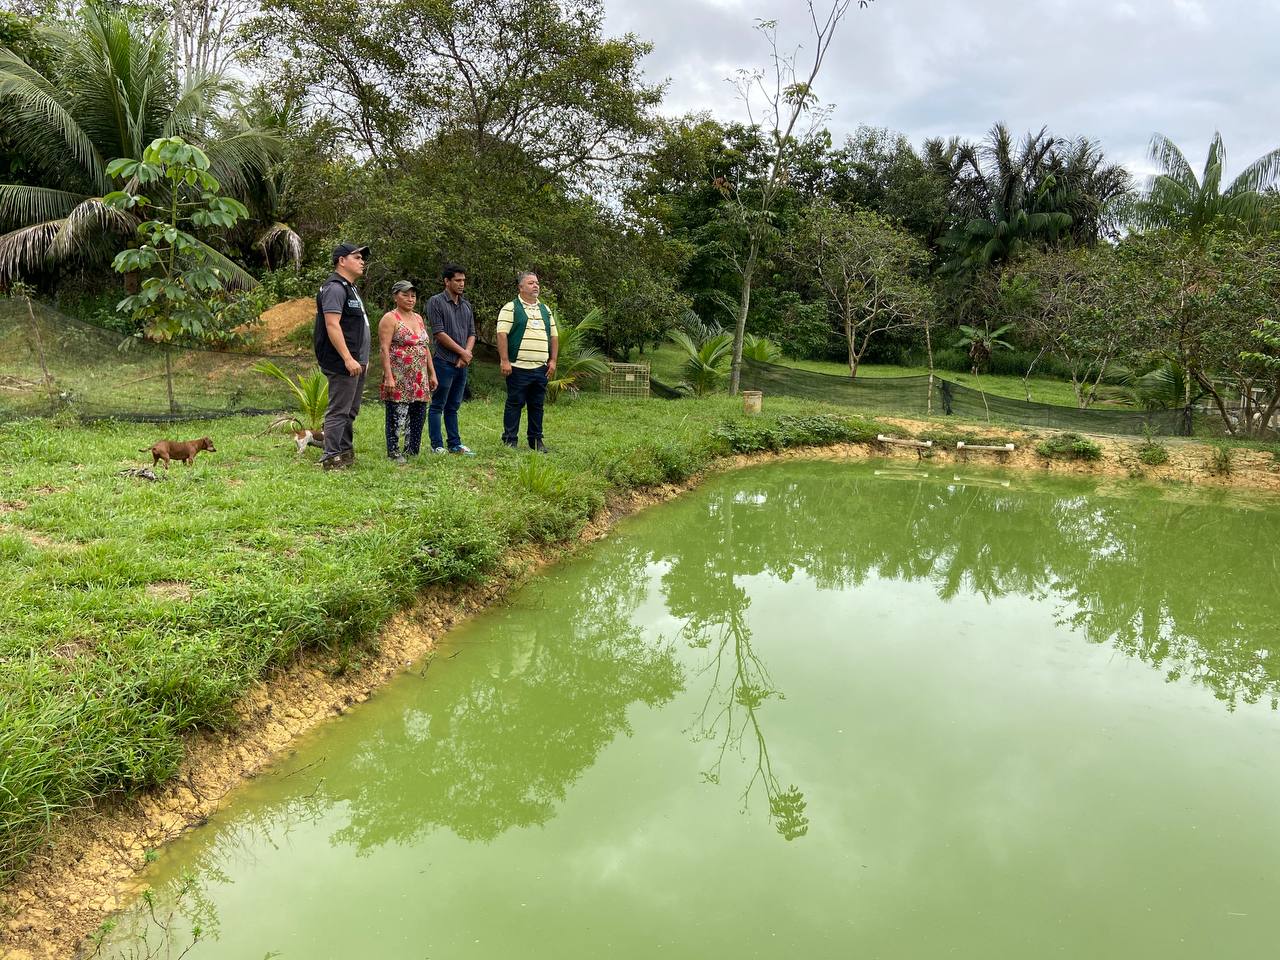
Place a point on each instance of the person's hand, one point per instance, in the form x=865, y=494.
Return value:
x=459, y=363
x=551, y=369
x=388, y=381
x=506, y=368
x=432, y=382
x=466, y=356
x=354, y=368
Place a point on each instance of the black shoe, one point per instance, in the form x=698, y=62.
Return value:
x=511, y=443
x=537, y=446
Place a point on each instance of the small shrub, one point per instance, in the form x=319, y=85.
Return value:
x=755, y=436
x=650, y=464
x=1069, y=446
x=1221, y=461
x=738, y=436
x=1153, y=454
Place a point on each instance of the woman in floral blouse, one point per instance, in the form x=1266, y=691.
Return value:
x=408, y=376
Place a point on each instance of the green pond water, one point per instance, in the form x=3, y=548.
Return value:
x=807, y=710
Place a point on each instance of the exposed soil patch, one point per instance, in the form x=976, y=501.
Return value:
x=169, y=590
x=272, y=334
x=92, y=867
x=37, y=539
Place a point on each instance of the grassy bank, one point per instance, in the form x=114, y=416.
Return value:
x=136, y=611
x=666, y=363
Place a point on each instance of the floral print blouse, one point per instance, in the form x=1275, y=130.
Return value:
x=409, y=351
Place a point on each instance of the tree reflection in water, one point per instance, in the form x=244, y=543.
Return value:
x=735, y=694
x=497, y=747
x=1187, y=587
x=1136, y=571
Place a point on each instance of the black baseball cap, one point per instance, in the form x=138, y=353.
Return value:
x=402, y=286
x=346, y=249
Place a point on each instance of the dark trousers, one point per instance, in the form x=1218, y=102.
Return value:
x=446, y=401
x=340, y=415
x=404, y=421
x=525, y=388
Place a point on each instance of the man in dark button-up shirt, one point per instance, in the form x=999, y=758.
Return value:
x=453, y=325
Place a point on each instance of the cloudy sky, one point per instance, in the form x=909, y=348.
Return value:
x=1112, y=70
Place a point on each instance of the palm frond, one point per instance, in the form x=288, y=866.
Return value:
x=1166, y=154
x=1259, y=175
x=41, y=122
x=26, y=248
x=283, y=235
x=23, y=204
x=86, y=225
x=233, y=275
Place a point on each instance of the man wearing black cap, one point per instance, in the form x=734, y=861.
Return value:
x=342, y=350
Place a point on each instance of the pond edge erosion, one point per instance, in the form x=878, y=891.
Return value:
x=92, y=868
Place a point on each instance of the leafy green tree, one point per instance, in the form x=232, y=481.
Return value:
x=870, y=273
x=1062, y=305
x=1268, y=334
x=514, y=80
x=182, y=273
x=878, y=170
x=108, y=91
x=1200, y=301
x=1011, y=198
x=1176, y=199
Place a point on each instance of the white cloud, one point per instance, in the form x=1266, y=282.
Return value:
x=1116, y=72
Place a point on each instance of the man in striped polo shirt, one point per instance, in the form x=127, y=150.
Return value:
x=528, y=341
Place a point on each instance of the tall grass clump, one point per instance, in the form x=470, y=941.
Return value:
x=1221, y=461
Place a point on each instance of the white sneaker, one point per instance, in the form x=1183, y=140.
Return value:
x=439, y=450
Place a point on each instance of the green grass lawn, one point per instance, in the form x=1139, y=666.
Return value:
x=666, y=362
x=135, y=611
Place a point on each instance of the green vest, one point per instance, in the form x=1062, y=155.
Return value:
x=520, y=320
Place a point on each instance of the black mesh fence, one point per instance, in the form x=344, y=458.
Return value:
x=938, y=397
x=50, y=363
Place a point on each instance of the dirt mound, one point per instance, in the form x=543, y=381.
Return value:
x=272, y=334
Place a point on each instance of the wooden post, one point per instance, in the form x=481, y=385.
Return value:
x=168, y=377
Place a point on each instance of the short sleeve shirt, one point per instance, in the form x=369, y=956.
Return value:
x=333, y=297
x=534, y=348
x=455, y=319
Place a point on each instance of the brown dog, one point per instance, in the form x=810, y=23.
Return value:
x=184, y=450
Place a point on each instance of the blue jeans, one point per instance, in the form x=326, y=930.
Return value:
x=446, y=400
x=524, y=388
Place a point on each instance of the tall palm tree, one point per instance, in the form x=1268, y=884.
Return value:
x=1177, y=199
x=270, y=197
x=1010, y=195
x=1094, y=193
x=110, y=90
x=1007, y=196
